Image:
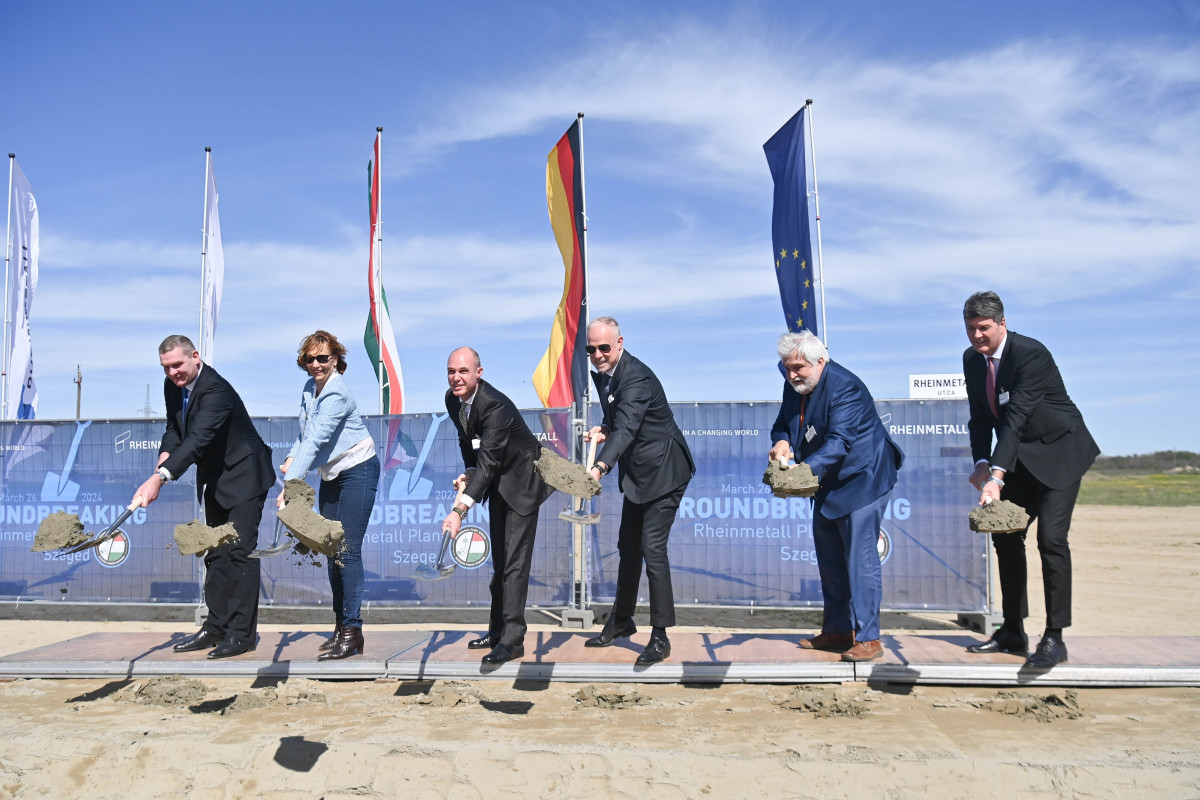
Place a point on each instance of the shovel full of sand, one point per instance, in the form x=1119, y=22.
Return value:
x=112, y=530
x=276, y=547
x=571, y=514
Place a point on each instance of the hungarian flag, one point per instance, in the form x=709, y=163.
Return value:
x=379, y=339
x=561, y=376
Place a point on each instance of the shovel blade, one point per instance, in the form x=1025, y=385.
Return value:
x=99, y=540
x=427, y=573
x=271, y=551
x=578, y=517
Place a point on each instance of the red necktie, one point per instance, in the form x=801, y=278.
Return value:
x=989, y=386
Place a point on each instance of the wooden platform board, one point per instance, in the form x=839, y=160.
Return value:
x=748, y=657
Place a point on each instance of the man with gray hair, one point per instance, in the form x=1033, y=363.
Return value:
x=828, y=421
x=1042, y=450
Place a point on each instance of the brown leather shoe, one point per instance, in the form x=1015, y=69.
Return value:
x=864, y=651
x=331, y=641
x=832, y=642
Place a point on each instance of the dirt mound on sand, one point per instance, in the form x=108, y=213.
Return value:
x=58, y=531
x=797, y=481
x=169, y=690
x=314, y=531
x=566, y=476
x=196, y=538
x=824, y=703
x=609, y=697
x=999, y=516
x=1043, y=709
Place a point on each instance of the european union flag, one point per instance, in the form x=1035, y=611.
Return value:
x=789, y=225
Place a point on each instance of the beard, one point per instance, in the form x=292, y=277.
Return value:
x=803, y=386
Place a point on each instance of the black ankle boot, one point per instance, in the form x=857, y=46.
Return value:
x=328, y=643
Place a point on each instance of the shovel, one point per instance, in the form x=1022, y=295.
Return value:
x=278, y=546
x=581, y=517
x=112, y=530
x=442, y=570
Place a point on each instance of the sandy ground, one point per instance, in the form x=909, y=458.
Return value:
x=1136, y=572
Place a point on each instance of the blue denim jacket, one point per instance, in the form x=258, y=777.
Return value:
x=329, y=425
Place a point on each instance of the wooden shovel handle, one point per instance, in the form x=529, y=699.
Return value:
x=591, y=459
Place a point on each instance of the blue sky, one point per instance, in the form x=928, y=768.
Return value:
x=1046, y=151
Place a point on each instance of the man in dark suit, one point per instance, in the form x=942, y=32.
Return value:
x=207, y=425
x=498, y=450
x=828, y=421
x=655, y=465
x=1042, y=451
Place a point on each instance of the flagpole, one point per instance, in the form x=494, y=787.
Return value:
x=377, y=244
x=817, y=206
x=204, y=247
x=7, y=261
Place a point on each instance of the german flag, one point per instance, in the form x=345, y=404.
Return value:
x=561, y=376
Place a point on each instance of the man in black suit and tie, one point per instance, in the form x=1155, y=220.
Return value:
x=1042, y=451
x=655, y=465
x=207, y=425
x=498, y=450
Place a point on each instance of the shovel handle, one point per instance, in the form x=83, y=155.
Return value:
x=441, y=559
x=591, y=459
x=457, y=499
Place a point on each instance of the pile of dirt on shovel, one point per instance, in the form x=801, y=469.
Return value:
x=999, y=516
x=797, y=481
x=314, y=531
x=196, y=538
x=58, y=531
x=566, y=476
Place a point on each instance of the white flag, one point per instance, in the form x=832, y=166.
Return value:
x=214, y=268
x=21, y=400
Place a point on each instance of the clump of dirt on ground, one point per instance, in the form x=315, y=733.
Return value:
x=169, y=690
x=566, y=476
x=196, y=538
x=58, y=531
x=999, y=516
x=797, y=481
x=448, y=694
x=824, y=703
x=314, y=531
x=609, y=697
x=1030, y=706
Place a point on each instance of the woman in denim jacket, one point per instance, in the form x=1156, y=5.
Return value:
x=334, y=440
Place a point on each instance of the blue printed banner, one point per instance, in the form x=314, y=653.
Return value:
x=733, y=544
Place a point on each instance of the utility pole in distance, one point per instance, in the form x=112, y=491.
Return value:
x=78, y=390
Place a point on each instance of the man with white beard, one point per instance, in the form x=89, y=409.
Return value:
x=828, y=421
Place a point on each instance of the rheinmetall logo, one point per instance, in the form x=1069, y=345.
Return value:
x=471, y=547
x=883, y=545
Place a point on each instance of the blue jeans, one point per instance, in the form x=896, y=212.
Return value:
x=348, y=499
x=851, y=575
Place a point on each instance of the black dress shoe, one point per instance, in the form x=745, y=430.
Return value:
x=230, y=646
x=198, y=641
x=504, y=652
x=1050, y=651
x=1003, y=641
x=484, y=642
x=612, y=630
x=656, y=651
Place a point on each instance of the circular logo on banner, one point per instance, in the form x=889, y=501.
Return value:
x=113, y=552
x=471, y=547
x=884, y=545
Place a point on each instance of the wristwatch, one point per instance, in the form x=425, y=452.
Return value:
x=461, y=510
x=995, y=480
x=163, y=476
x=604, y=468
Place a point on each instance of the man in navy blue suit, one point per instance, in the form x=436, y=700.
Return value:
x=828, y=421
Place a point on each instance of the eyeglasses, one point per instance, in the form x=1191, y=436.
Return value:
x=603, y=348
x=321, y=359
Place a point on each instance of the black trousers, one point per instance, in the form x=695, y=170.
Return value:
x=642, y=537
x=231, y=578
x=512, y=558
x=1052, y=509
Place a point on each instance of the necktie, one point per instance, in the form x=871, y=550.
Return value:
x=463, y=415
x=989, y=387
x=183, y=414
